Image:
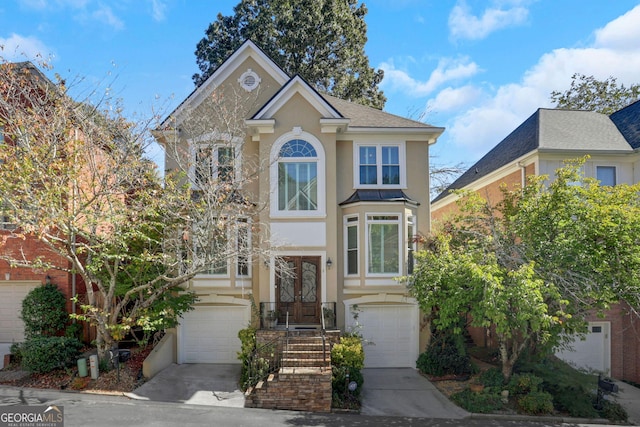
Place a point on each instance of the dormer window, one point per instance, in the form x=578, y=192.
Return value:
x=379, y=166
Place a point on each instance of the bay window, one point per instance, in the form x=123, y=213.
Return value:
x=383, y=244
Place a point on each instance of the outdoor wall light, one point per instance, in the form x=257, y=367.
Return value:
x=329, y=263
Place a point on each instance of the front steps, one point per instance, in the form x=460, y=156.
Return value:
x=303, y=382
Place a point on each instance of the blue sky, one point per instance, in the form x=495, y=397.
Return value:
x=477, y=68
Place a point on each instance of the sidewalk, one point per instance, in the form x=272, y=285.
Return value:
x=629, y=397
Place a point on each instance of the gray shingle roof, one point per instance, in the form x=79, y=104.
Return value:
x=547, y=129
x=363, y=116
x=627, y=121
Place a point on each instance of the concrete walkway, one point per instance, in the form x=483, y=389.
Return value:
x=629, y=397
x=403, y=392
x=196, y=384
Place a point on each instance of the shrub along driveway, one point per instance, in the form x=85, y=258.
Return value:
x=404, y=392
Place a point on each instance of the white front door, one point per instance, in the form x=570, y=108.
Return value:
x=592, y=353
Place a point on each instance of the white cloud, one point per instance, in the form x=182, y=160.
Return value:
x=19, y=48
x=464, y=25
x=615, y=52
x=448, y=69
x=105, y=15
x=158, y=10
x=451, y=99
x=622, y=33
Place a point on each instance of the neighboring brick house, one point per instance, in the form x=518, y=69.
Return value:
x=344, y=189
x=538, y=147
x=16, y=282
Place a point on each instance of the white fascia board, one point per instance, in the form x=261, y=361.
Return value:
x=248, y=49
x=429, y=135
x=334, y=125
x=297, y=85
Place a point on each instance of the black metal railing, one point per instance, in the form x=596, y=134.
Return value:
x=263, y=361
x=271, y=317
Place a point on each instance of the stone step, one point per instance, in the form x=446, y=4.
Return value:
x=291, y=362
x=305, y=354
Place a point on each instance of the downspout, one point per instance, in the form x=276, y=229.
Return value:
x=523, y=174
x=73, y=245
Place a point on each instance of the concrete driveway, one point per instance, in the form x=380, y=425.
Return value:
x=196, y=384
x=403, y=392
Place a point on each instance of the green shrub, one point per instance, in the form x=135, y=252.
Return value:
x=492, y=377
x=613, y=411
x=16, y=350
x=339, y=380
x=44, y=354
x=575, y=401
x=247, y=338
x=445, y=355
x=348, y=352
x=536, y=403
x=522, y=384
x=479, y=403
x=44, y=311
x=74, y=330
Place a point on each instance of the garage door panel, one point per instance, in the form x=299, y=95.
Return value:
x=210, y=334
x=391, y=332
x=11, y=296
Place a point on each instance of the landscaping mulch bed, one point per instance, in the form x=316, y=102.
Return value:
x=126, y=379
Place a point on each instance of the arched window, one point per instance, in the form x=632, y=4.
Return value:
x=297, y=177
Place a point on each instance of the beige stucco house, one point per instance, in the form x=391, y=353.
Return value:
x=340, y=191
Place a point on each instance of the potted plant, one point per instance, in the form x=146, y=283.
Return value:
x=271, y=319
x=329, y=317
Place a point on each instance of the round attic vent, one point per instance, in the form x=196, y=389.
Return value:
x=249, y=80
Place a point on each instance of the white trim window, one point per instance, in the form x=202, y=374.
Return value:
x=297, y=176
x=214, y=164
x=351, y=245
x=243, y=248
x=383, y=244
x=411, y=242
x=606, y=175
x=218, y=245
x=380, y=165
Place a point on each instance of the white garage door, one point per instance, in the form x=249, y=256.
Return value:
x=210, y=334
x=392, y=333
x=11, y=296
x=592, y=353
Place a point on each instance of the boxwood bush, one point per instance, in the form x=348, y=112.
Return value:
x=44, y=354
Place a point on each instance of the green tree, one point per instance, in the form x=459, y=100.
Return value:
x=321, y=40
x=602, y=96
x=535, y=264
x=73, y=178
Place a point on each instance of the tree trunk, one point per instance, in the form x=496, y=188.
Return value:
x=507, y=365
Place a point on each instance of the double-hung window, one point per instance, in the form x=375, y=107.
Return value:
x=379, y=165
x=225, y=241
x=243, y=248
x=351, y=245
x=383, y=244
x=214, y=164
x=606, y=175
x=297, y=177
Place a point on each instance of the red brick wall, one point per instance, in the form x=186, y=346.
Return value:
x=490, y=192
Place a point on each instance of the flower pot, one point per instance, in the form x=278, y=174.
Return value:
x=476, y=388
